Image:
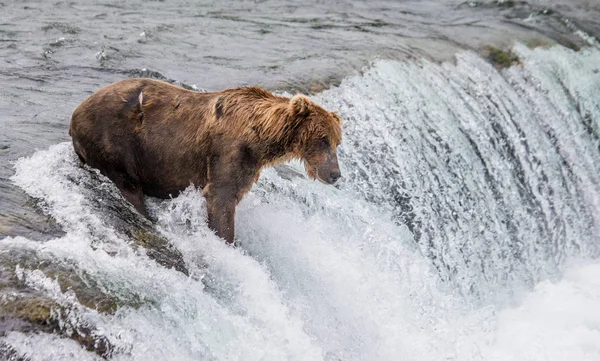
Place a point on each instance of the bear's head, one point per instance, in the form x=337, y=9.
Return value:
x=319, y=133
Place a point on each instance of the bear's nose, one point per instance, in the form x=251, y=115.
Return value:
x=334, y=176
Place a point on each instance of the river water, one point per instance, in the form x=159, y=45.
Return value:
x=466, y=226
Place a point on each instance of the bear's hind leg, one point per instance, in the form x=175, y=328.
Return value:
x=130, y=190
x=135, y=196
x=78, y=151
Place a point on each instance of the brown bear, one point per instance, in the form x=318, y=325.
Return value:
x=151, y=137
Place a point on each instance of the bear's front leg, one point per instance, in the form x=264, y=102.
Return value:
x=220, y=204
x=231, y=173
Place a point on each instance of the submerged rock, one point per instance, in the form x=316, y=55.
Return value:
x=158, y=248
x=40, y=293
x=36, y=313
x=500, y=58
x=105, y=199
x=26, y=309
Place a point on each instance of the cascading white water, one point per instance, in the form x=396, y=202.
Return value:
x=497, y=174
x=501, y=170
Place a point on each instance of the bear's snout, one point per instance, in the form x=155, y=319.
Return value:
x=334, y=176
x=328, y=172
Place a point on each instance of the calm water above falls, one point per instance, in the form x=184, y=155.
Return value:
x=466, y=228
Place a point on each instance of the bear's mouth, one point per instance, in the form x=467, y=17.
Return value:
x=321, y=180
x=313, y=173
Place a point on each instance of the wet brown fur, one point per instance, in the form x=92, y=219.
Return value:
x=154, y=138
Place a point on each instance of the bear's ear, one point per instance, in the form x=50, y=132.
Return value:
x=337, y=117
x=300, y=105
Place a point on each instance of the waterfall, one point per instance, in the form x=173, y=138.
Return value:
x=465, y=228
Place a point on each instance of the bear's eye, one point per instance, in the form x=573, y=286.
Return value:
x=322, y=143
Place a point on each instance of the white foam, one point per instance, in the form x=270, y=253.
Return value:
x=47, y=347
x=557, y=321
